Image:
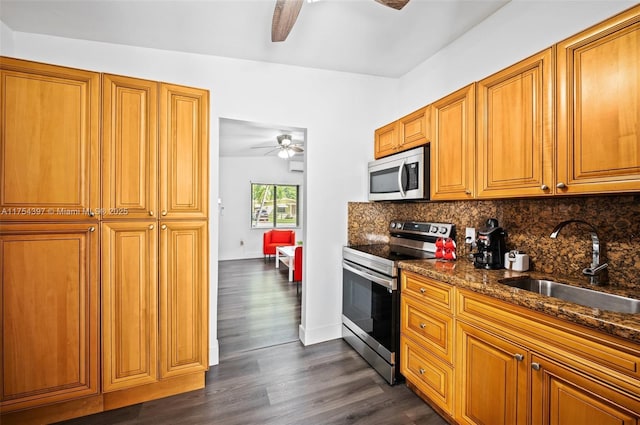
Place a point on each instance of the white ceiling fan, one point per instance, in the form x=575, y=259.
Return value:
x=286, y=13
x=286, y=147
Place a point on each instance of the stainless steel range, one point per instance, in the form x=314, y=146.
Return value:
x=370, y=296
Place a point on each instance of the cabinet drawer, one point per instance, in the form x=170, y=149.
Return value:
x=428, y=327
x=430, y=292
x=430, y=375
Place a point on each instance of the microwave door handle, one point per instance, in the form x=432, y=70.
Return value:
x=400, y=171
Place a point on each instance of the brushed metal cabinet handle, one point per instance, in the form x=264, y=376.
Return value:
x=544, y=187
x=519, y=357
x=423, y=325
x=535, y=366
x=561, y=185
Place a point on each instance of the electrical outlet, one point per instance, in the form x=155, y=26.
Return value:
x=470, y=235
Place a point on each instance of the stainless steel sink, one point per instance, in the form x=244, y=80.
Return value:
x=574, y=294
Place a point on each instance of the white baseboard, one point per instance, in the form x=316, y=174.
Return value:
x=214, y=352
x=317, y=335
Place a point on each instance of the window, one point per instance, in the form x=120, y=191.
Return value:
x=274, y=205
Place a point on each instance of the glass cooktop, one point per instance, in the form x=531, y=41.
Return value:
x=393, y=252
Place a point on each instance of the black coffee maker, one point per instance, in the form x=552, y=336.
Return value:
x=491, y=246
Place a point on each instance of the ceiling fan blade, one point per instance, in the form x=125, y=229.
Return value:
x=296, y=148
x=284, y=17
x=263, y=147
x=396, y=4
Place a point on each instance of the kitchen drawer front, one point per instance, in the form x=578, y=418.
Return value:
x=428, y=327
x=429, y=374
x=611, y=359
x=431, y=292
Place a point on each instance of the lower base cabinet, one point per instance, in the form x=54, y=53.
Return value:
x=511, y=365
x=493, y=376
x=563, y=396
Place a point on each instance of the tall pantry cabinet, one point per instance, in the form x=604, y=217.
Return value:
x=103, y=241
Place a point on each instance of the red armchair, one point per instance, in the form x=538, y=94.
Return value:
x=297, y=267
x=275, y=238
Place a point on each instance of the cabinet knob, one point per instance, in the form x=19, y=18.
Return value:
x=519, y=357
x=422, y=371
x=535, y=366
x=92, y=229
x=468, y=192
x=164, y=212
x=561, y=185
x=151, y=213
x=163, y=227
x=91, y=213
x=422, y=290
x=423, y=325
x=151, y=227
x=544, y=187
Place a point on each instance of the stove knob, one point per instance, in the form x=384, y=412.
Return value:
x=393, y=224
x=433, y=229
x=443, y=230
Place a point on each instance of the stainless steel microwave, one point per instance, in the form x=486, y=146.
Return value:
x=400, y=177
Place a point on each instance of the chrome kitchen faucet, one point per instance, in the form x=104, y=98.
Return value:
x=597, y=272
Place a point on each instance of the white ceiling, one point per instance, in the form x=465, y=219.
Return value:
x=360, y=36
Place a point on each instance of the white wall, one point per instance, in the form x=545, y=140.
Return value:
x=339, y=111
x=6, y=40
x=514, y=32
x=236, y=176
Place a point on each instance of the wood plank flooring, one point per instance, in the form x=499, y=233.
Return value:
x=266, y=376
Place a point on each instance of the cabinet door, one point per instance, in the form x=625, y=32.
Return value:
x=562, y=396
x=129, y=147
x=49, y=314
x=184, y=152
x=492, y=387
x=598, y=107
x=49, y=142
x=184, y=297
x=453, y=146
x=515, y=130
x=129, y=304
x=386, y=140
x=415, y=128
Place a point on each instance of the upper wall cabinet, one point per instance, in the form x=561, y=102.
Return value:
x=515, y=130
x=407, y=133
x=598, y=106
x=49, y=142
x=453, y=146
x=184, y=153
x=129, y=147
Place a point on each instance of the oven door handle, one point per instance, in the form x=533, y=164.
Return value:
x=387, y=282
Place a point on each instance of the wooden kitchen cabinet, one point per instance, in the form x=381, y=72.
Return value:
x=184, y=297
x=184, y=152
x=129, y=147
x=426, y=339
x=408, y=132
x=563, y=396
x=492, y=378
x=129, y=304
x=50, y=138
x=49, y=281
x=515, y=124
x=453, y=146
x=598, y=105
x=386, y=140
x=560, y=370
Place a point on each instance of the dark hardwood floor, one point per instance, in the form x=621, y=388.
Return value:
x=266, y=376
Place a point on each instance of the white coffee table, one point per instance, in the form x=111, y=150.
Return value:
x=285, y=255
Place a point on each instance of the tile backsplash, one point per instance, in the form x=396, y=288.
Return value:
x=528, y=223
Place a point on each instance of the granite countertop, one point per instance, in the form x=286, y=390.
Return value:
x=461, y=273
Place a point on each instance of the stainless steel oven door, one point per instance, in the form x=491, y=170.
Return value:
x=370, y=308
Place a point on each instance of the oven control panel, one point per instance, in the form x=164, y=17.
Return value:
x=437, y=230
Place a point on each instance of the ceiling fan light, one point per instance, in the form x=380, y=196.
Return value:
x=286, y=153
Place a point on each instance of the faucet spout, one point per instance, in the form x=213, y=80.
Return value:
x=596, y=271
